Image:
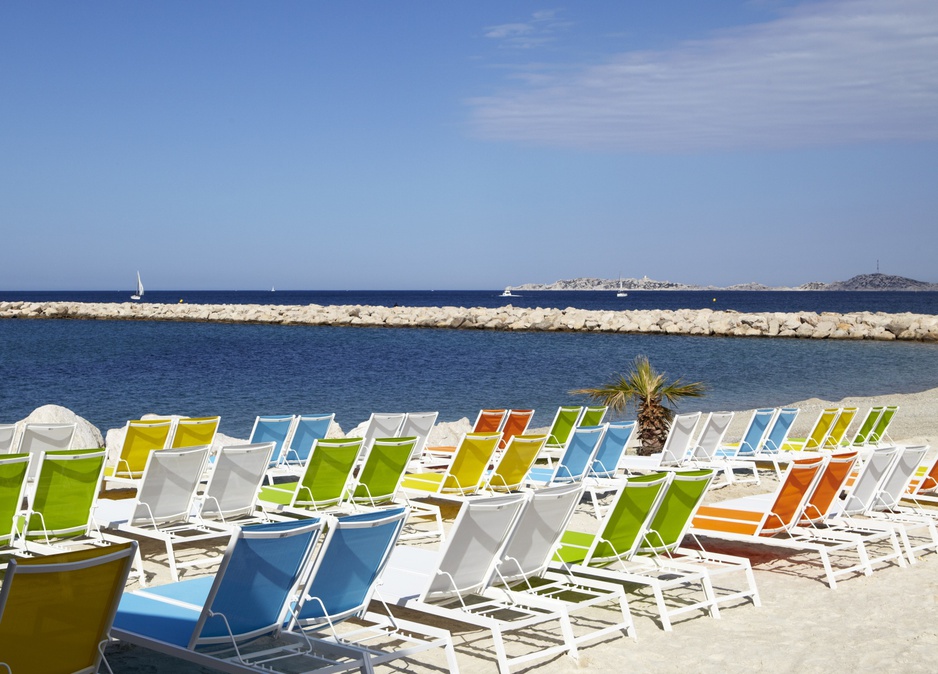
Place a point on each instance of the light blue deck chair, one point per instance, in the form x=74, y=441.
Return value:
x=779, y=430
x=753, y=437
x=576, y=460
x=342, y=582
x=618, y=436
x=307, y=429
x=213, y=620
x=561, y=430
x=275, y=429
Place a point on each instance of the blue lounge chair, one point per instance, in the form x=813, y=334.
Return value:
x=576, y=460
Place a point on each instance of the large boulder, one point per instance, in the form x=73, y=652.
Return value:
x=87, y=435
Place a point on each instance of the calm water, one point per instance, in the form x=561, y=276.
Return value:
x=109, y=371
x=789, y=301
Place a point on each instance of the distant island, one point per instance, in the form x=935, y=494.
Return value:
x=861, y=282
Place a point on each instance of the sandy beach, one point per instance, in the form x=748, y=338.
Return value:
x=885, y=622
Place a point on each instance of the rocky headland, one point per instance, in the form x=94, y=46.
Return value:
x=703, y=322
x=861, y=282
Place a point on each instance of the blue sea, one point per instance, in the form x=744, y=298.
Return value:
x=111, y=371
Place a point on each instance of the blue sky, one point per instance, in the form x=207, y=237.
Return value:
x=409, y=145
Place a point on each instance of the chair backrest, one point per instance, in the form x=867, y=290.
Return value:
x=194, y=432
x=612, y=448
x=839, y=430
x=862, y=436
x=928, y=482
x=56, y=611
x=832, y=481
x=256, y=581
x=38, y=438
x=66, y=488
x=756, y=431
x=7, y=433
x=680, y=437
x=473, y=546
x=275, y=429
x=489, y=421
x=470, y=460
x=380, y=476
x=862, y=495
x=516, y=423
x=167, y=489
x=578, y=456
x=896, y=483
x=537, y=533
x=418, y=425
x=141, y=436
x=712, y=434
x=792, y=495
x=307, y=429
x=882, y=425
x=381, y=425
x=626, y=523
x=347, y=567
x=327, y=472
x=235, y=480
x=777, y=433
x=592, y=415
x=565, y=420
x=13, y=469
x=821, y=429
x=515, y=462
x=673, y=516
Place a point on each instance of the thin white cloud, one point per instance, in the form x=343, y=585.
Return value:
x=842, y=71
x=535, y=32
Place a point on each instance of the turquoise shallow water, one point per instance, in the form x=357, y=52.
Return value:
x=110, y=371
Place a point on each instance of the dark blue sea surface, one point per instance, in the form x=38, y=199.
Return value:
x=737, y=300
x=111, y=371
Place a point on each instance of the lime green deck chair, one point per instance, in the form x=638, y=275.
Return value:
x=879, y=433
x=141, y=437
x=13, y=468
x=380, y=476
x=562, y=427
x=464, y=473
x=623, y=528
x=325, y=477
x=66, y=490
x=861, y=437
x=818, y=435
x=194, y=432
x=593, y=415
x=56, y=611
x=515, y=462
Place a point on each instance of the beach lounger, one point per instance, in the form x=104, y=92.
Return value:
x=776, y=435
x=56, y=611
x=7, y=435
x=838, y=431
x=753, y=436
x=324, y=481
x=516, y=423
x=141, y=436
x=561, y=430
x=307, y=429
x=880, y=433
x=162, y=509
x=463, y=475
x=487, y=421
x=450, y=584
x=235, y=478
x=862, y=436
x=194, y=432
x=418, y=425
x=38, y=438
x=379, y=478
x=818, y=435
x=610, y=554
x=576, y=460
x=381, y=425
x=13, y=470
x=275, y=429
x=514, y=463
x=676, y=448
x=601, y=477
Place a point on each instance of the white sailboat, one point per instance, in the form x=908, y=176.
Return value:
x=621, y=292
x=137, y=295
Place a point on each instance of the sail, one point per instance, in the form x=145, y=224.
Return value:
x=137, y=295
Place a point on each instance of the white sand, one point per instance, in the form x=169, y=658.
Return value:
x=886, y=622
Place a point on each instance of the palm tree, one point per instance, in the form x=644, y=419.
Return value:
x=649, y=390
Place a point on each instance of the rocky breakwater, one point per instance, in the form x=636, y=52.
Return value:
x=704, y=322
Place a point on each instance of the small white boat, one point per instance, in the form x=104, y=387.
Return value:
x=621, y=292
x=137, y=295
x=508, y=293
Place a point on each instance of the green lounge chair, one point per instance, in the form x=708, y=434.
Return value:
x=324, y=481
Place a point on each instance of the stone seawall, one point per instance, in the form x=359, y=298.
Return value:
x=806, y=325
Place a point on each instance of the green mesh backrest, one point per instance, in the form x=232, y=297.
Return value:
x=65, y=491
x=839, y=428
x=328, y=471
x=381, y=474
x=142, y=437
x=678, y=505
x=563, y=425
x=862, y=436
x=883, y=423
x=622, y=531
x=470, y=461
x=12, y=476
x=592, y=416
